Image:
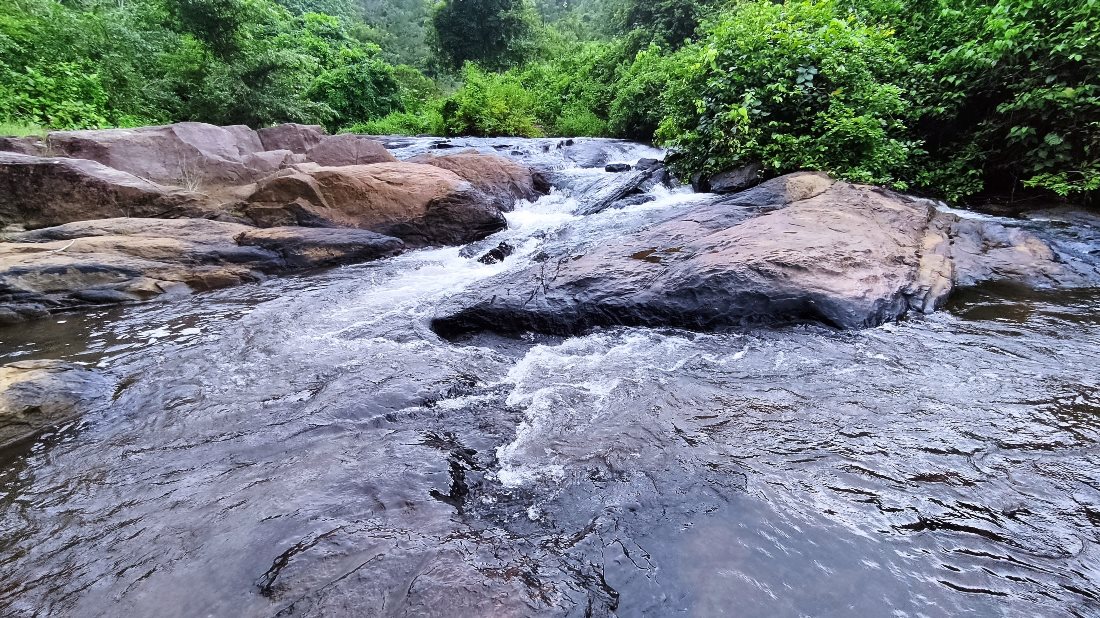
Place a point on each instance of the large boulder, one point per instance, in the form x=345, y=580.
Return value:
x=37, y=394
x=421, y=204
x=40, y=192
x=797, y=248
x=297, y=138
x=188, y=154
x=131, y=259
x=500, y=178
x=348, y=149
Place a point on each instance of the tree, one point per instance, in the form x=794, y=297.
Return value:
x=495, y=34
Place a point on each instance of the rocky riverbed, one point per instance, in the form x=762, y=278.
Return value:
x=268, y=374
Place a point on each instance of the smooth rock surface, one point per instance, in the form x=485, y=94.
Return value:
x=297, y=138
x=131, y=259
x=40, y=192
x=348, y=149
x=501, y=178
x=799, y=248
x=187, y=154
x=37, y=394
x=421, y=204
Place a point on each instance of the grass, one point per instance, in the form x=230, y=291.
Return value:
x=19, y=129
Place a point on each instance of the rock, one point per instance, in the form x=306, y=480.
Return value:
x=729, y=181
x=131, y=259
x=498, y=177
x=37, y=394
x=302, y=248
x=40, y=192
x=606, y=191
x=983, y=251
x=633, y=200
x=349, y=149
x=497, y=254
x=187, y=154
x=33, y=146
x=617, y=167
x=297, y=138
x=647, y=164
x=421, y=204
x=799, y=249
x=587, y=153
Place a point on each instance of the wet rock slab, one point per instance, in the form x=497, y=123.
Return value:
x=37, y=394
x=131, y=259
x=800, y=248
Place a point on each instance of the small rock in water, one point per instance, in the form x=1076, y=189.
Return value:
x=497, y=254
x=617, y=167
x=648, y=164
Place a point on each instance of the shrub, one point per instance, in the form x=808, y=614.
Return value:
x=490, y=104
x=800, y=85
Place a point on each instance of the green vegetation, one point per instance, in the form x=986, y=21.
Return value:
x=955, y=98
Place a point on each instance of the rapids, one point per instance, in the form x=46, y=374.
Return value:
x=308, y=446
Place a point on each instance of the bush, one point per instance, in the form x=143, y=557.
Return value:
x=489, y=105
x=800, y=85
x=640, y=93
x=427, y=121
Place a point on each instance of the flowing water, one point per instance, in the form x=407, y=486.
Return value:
x=307, y=446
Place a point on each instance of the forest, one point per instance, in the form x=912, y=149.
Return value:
x=959, y=99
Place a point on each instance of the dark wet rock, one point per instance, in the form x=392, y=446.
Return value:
x=633, y=200
x=421, y=204
x=604, y=191
x=729, y=181
x=497, y=254
x=297, y=138
x=35, y=395
x=800, y=249
x=349, y=149
x=40, y=192
x=442, y=146
x=500, y=178
x=130, y=259
x=617, y=167
x=647, y=164
x=587, y=153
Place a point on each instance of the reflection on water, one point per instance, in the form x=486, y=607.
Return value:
x=307, y=446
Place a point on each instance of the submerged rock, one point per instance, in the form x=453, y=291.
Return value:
x=497, y=254
x=617, y=167
x=129, y=259
x=37, y=394
x=421, y=204
x=798, y=248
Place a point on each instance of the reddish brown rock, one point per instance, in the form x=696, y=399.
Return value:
x=498, y=177
x=297, y=138
x=421, y=204
x=40, y=192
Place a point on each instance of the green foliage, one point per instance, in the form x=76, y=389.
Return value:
x=355, y=92
x=665, y=21
x=490, y=104
x=640, y=92
x=800, y=85
x=427, y=121
x=1010, y=88
x=495, y=34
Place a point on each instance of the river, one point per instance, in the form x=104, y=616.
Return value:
x=307, y=446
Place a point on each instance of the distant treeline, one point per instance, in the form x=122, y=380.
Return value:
x=952, y=97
